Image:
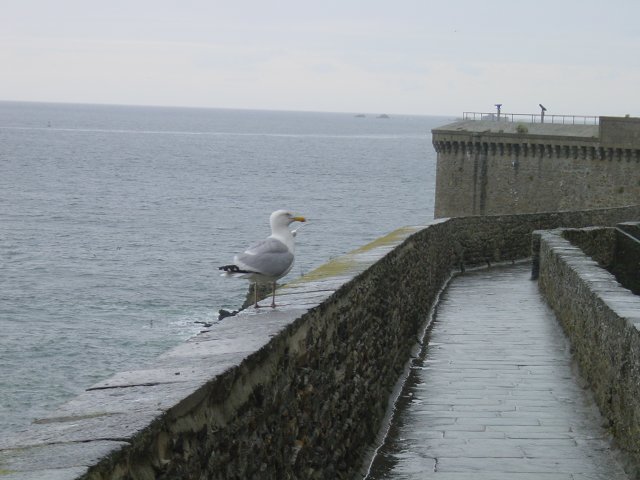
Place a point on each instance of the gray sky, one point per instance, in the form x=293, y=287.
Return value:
x=394, y=56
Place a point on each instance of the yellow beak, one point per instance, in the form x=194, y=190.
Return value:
x=299, y=219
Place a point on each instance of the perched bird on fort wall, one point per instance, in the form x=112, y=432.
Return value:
x=269, y=259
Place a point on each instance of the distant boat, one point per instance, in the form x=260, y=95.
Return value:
x=384, y=115
x=360, y=115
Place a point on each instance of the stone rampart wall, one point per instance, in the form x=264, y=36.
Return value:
x=295, y=392
x=602, y=320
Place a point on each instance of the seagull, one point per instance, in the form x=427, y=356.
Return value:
x=269, y=259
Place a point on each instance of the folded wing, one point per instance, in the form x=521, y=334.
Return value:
x=269, y=257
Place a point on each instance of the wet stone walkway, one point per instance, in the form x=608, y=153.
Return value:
x=494, y=395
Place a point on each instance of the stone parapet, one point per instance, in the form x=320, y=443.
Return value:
x=616, y=249
x=601, y=319
x=546, y=147
x=620, y=132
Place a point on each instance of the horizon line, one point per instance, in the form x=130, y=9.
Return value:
x=284, y=110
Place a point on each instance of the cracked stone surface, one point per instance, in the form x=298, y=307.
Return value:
x=494, y=395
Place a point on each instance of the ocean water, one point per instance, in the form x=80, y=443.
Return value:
x=113, y=221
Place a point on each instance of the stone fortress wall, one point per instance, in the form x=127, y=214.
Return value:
x=488, y=167
x=296, y=392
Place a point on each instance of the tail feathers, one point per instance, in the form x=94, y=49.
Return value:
x=233, y=269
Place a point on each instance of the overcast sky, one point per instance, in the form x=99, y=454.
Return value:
x=371, y=56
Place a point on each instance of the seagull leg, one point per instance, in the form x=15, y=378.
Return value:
x=255, y=293
x=273, y=298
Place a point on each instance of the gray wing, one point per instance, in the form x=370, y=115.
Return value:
x=269, y=257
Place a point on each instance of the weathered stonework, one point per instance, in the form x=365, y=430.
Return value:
x=616, y=249
x=295, y=392
x=489, y=167
x=602, y=321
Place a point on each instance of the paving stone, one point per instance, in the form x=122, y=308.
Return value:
x=52, y=461
x=48, y=474
x=502, y=371
x=498, y=476
x=524, y=465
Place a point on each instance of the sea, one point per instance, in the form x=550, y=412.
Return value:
x=114, y=219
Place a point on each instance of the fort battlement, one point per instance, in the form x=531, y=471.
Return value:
x=496, y=167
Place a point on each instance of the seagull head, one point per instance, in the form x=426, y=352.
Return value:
x=283, y=218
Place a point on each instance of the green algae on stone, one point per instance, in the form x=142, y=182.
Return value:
x=348, y=264
x=390, y=239
x=343, y=265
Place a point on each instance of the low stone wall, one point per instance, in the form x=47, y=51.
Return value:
x=596, y=242
x=602, y=320
x=616, y=249
x=295, y=392
x=626, y=266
